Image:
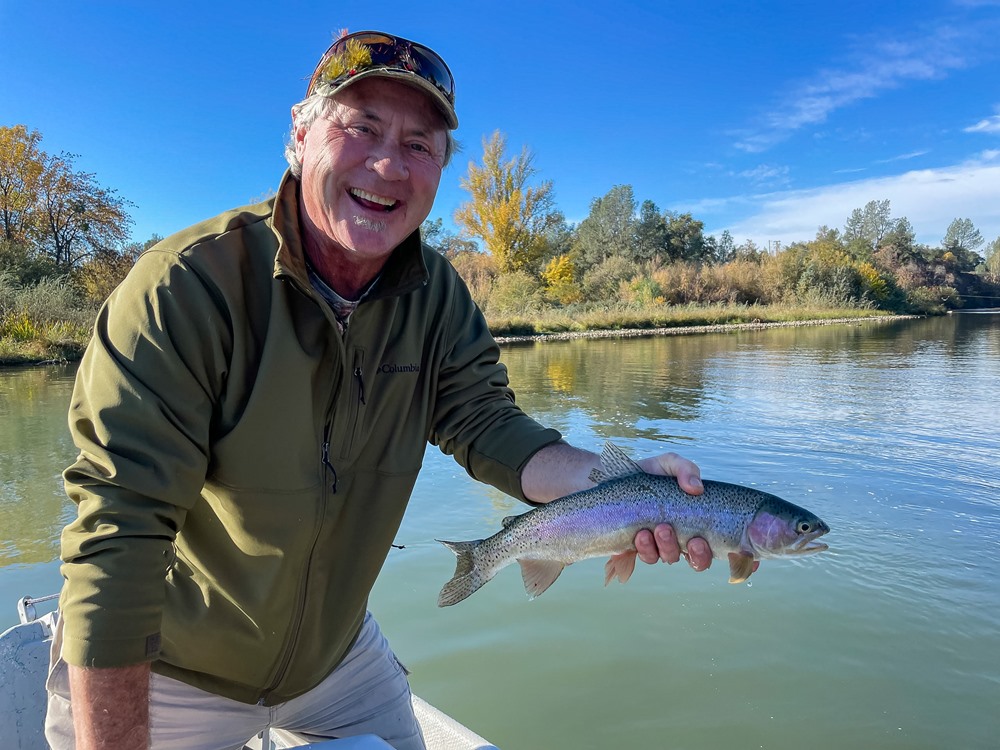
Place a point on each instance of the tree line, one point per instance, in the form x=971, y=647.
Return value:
x=633, y=253
x=65, y=244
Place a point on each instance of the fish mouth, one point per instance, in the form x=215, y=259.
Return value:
x=807, y=544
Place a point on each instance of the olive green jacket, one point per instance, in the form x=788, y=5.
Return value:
x=244, y=466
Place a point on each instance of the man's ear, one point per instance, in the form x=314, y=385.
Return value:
x=299, y=137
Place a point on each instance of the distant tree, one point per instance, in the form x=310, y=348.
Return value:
x=993, y=261
x=22, y=265
x=685, y=240
x=609, y=229
x=725, y=248
x=900, y=255
x=98, y=276
x=431, y=231
x=903, y=238
x=557, y=239
x=434, y=234
x=748, y=250
x=827, y=272
x=963, y=234
x=508, y=215
x=478, y=271
x=21, y=165
x=867, y=227
x=961, y=241
x=709, y=249
x=79, y=218
x=651, y=235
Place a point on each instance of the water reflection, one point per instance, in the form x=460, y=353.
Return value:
x=34, y=448
x=612, y=384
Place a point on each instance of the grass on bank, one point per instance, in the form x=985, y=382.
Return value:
x=670, y=316
x=22, y=342
x=42, y=322
x=27, y=338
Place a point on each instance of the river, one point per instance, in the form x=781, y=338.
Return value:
x=891, y=639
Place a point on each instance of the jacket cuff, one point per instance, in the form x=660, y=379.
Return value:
x=500, y=459
x=113, y=653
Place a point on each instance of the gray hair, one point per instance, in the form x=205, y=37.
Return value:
x=305, y=113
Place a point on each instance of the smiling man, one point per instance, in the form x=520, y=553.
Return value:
x=251, y=414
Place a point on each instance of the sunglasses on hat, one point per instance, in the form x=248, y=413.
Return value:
x=367, y=53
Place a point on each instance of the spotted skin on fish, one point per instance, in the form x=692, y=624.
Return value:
x=739, y=523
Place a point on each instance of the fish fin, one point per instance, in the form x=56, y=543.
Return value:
x=740, y=566
x=617, y=463
x=538, y=575
x=597, y=476
x=621, y=565
x=508, y=520
x=468, y=577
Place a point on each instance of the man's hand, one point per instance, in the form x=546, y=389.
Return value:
x=661, y=543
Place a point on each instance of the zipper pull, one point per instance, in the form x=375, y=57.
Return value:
x=329, y=466
x=361, y=384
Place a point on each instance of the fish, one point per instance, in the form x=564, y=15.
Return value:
x=739, y=523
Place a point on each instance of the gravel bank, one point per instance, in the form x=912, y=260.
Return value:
x=684, y=330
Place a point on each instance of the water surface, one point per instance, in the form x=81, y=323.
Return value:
x=889, y=432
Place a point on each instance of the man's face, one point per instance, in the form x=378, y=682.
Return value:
x=370, y=168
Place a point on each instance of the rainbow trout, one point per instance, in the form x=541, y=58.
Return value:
x=738, y=522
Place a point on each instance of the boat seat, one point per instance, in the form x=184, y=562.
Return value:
x=24, y=662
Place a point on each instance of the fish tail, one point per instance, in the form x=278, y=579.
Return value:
x=468, y=576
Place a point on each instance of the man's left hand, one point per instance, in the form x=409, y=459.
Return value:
x=661, y=543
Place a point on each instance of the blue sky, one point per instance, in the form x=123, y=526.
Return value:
x=764, y=118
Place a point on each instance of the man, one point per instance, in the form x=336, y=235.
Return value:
x=251, y=415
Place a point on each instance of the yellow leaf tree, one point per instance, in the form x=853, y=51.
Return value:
x=21, y=165
x=508, y=215
x=558, y=275
x=50, y=209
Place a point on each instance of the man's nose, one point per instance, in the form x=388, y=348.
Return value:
x=388, y=162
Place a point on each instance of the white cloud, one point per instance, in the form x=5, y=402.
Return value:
x=929, y=198
x=902, y=157
x=989, y=125
x=766, y=175
x=876, y=66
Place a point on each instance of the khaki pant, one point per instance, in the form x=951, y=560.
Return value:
x=367, y=693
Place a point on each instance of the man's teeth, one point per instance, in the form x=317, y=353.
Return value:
x=372, y=198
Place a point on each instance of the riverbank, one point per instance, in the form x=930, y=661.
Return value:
x=670, y=321
x=693, y=329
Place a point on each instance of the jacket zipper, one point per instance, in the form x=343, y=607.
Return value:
x=327, y=466
x=326, y=456
x=358, y=402
x=292, y=646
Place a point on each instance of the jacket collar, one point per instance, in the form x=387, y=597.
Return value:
x=404, y=271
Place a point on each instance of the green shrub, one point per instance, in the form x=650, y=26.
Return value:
x=642, y=291
x=932, y=300
x=51, y=300
x=603, y=281
x=515, y=293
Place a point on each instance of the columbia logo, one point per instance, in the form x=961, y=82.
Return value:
x=390, y=369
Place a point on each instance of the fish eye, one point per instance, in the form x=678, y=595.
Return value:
x=804, y=527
